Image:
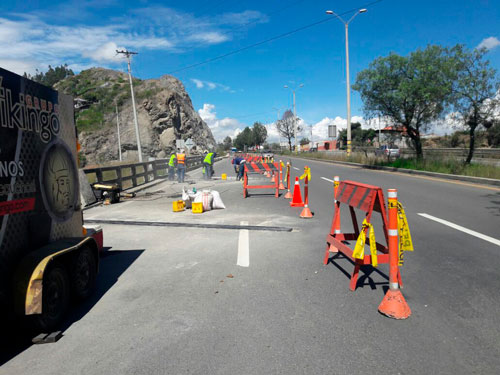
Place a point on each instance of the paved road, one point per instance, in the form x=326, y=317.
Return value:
x=166, y=302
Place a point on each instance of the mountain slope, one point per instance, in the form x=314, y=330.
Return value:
x=164, y=110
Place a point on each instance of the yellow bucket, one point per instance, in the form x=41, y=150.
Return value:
x=224, y=176
x=178, y=206
x=197, y=207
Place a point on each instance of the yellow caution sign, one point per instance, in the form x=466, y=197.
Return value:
x=359, y=248
x=307, y=172
x=405, y=241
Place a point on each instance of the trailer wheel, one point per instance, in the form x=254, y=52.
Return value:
x=83, y=274
x=55, y=298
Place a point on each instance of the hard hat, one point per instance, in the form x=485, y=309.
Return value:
x=205, y=152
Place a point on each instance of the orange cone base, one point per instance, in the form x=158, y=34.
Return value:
x=288, y=195
x=333, y=249
x=300, y=204
x=394, y=305
x=306, y=213
x=281, y=187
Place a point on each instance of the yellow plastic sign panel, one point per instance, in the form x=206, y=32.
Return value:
x=405, y=241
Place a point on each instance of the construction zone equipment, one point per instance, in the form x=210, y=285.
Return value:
x=260, y=168
x=306, y=212
x=223, y=176
x=366, y=198
x=281, y=187
x=297, y=196
x=288, y=194
x=393, y=304
x=178, y=206
x=197, y=207
x=109, y=193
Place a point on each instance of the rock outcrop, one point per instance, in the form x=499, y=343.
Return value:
x=164, y=110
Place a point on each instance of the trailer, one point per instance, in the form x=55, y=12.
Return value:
x=47, y=257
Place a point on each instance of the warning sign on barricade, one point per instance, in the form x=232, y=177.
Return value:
x=366, y=198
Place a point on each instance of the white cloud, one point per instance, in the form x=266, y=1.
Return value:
x=200, y=84
x=106, y=52
x=220, y=128
x=211, y=37
x=489, y=43
x=35, y=39
x=18, y=66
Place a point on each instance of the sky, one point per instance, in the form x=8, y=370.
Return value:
x=234, y=91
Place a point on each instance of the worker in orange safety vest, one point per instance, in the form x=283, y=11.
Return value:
x=181, y=166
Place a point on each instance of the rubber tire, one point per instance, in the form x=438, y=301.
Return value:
x=83, y=275
x=55, y=298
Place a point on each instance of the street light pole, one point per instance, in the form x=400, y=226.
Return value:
x=348, y=81
x=294, y=115
x=139, y=150
x=277, y=119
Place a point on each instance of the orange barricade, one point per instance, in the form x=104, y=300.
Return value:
x=366, y=198
x=260, y=168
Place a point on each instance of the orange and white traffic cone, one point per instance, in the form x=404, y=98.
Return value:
x=297, y=196
x=273, y=179
x=394, y=304
x=306, y=212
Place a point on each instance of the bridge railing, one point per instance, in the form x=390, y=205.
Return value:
x=131, y=175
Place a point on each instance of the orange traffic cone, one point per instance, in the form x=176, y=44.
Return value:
x=297, y=196
x=273, y=179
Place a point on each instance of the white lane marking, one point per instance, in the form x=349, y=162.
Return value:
x=327, y=179
x=243, y=247
x=465, y=230
x=297, y=169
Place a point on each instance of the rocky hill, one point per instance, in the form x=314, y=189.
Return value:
x=164, y=110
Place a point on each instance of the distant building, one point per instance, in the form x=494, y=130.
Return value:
x=81, y=104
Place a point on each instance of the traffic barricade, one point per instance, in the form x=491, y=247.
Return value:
x=366, y=198
x=252, y=168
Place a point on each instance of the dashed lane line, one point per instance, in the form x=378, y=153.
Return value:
x=243, y=247
x=465, y=230
x=327, y=179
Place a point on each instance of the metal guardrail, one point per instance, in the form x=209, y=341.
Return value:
x=478, y=152
x=131, y=175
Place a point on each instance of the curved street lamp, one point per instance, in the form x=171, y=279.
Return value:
x=348, y=84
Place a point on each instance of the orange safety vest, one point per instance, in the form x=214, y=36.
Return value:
x=181, y=158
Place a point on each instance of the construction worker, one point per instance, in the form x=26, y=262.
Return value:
x=239, y=166
x=181, y=166
x=172, y=163
x=208, y=164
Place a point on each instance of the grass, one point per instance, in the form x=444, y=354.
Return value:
x=448, y=166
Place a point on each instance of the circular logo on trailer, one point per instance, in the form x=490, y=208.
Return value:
x=59, y=181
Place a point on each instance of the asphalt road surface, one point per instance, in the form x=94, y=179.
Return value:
x=225, y=300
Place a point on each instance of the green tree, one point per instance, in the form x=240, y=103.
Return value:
x=259, y=134
x=51, y=76
x=475, y=88
x=411, y=91
x=304, y=141
x=245, y=138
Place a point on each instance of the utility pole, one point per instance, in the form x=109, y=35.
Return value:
x=118, y=126
x=128, y=54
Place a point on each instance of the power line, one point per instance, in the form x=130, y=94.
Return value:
x=272, y=38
